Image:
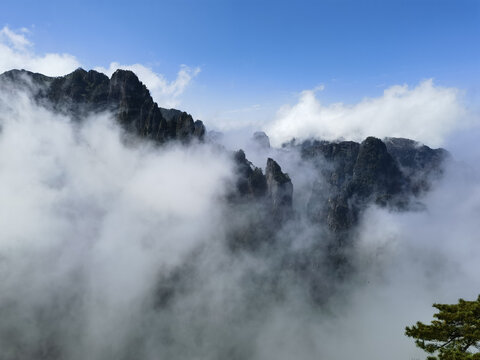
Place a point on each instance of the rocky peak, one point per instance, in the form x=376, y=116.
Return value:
x=375, y=172
x=199, y=129
x=279, y=189
x=418, y=162
x=341, y=158
x=81, y=92
x=23, y=79
x=261, y=140
x=251, y=182
x=260, y=203
x=386, y=173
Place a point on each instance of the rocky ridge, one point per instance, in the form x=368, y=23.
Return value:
x=389, y=173
x=350, y=175
x=81, y=92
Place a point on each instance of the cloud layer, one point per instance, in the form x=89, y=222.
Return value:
x=88, y=225
x=426, y=113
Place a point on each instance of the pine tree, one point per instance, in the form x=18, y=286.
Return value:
x=454, y=335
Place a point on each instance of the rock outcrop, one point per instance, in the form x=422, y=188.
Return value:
x=82, y=92
x=262, y=202
x=261, y=140
x=251, y=183
x=279, y=190
x=419, y=163
x=351, y=176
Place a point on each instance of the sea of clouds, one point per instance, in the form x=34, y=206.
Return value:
x=91, y=224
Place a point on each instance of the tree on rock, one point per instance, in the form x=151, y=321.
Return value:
x=453, y=335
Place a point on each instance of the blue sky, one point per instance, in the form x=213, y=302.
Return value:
x=255, y=56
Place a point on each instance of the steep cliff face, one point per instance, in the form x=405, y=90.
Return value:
x=261, y=203
x=275, y=186
x=279, y=189
x=386, y=173
x=418, y=162
x=124, y=94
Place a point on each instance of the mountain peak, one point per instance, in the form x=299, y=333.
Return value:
x=131, y=103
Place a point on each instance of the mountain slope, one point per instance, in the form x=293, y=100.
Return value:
x=124, y=94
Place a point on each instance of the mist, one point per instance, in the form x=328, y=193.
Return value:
x=116, y=249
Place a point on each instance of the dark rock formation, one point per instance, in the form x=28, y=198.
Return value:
x=418, y=162
x=353, y=175
x=199, y=130
x=261, y=139
x=279, y=190
x=262, y=203
x=250, y=179
x=82, y=92
x=275, y=186
x=214, y=137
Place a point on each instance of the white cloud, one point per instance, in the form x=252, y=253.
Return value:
x=427, y=113
x=16, y=52
x=17, y=40
x=165, y=93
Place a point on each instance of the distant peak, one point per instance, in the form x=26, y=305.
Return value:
x=125, y=74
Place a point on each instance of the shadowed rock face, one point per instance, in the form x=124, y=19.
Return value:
x=251, y=182
x=418, y=162
x=261, y=140
x=275, y=187
x=124, y=94
x=263, y=201
x=279, y=189
x=374, y=172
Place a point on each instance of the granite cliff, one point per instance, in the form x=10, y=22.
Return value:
x=82, y=92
